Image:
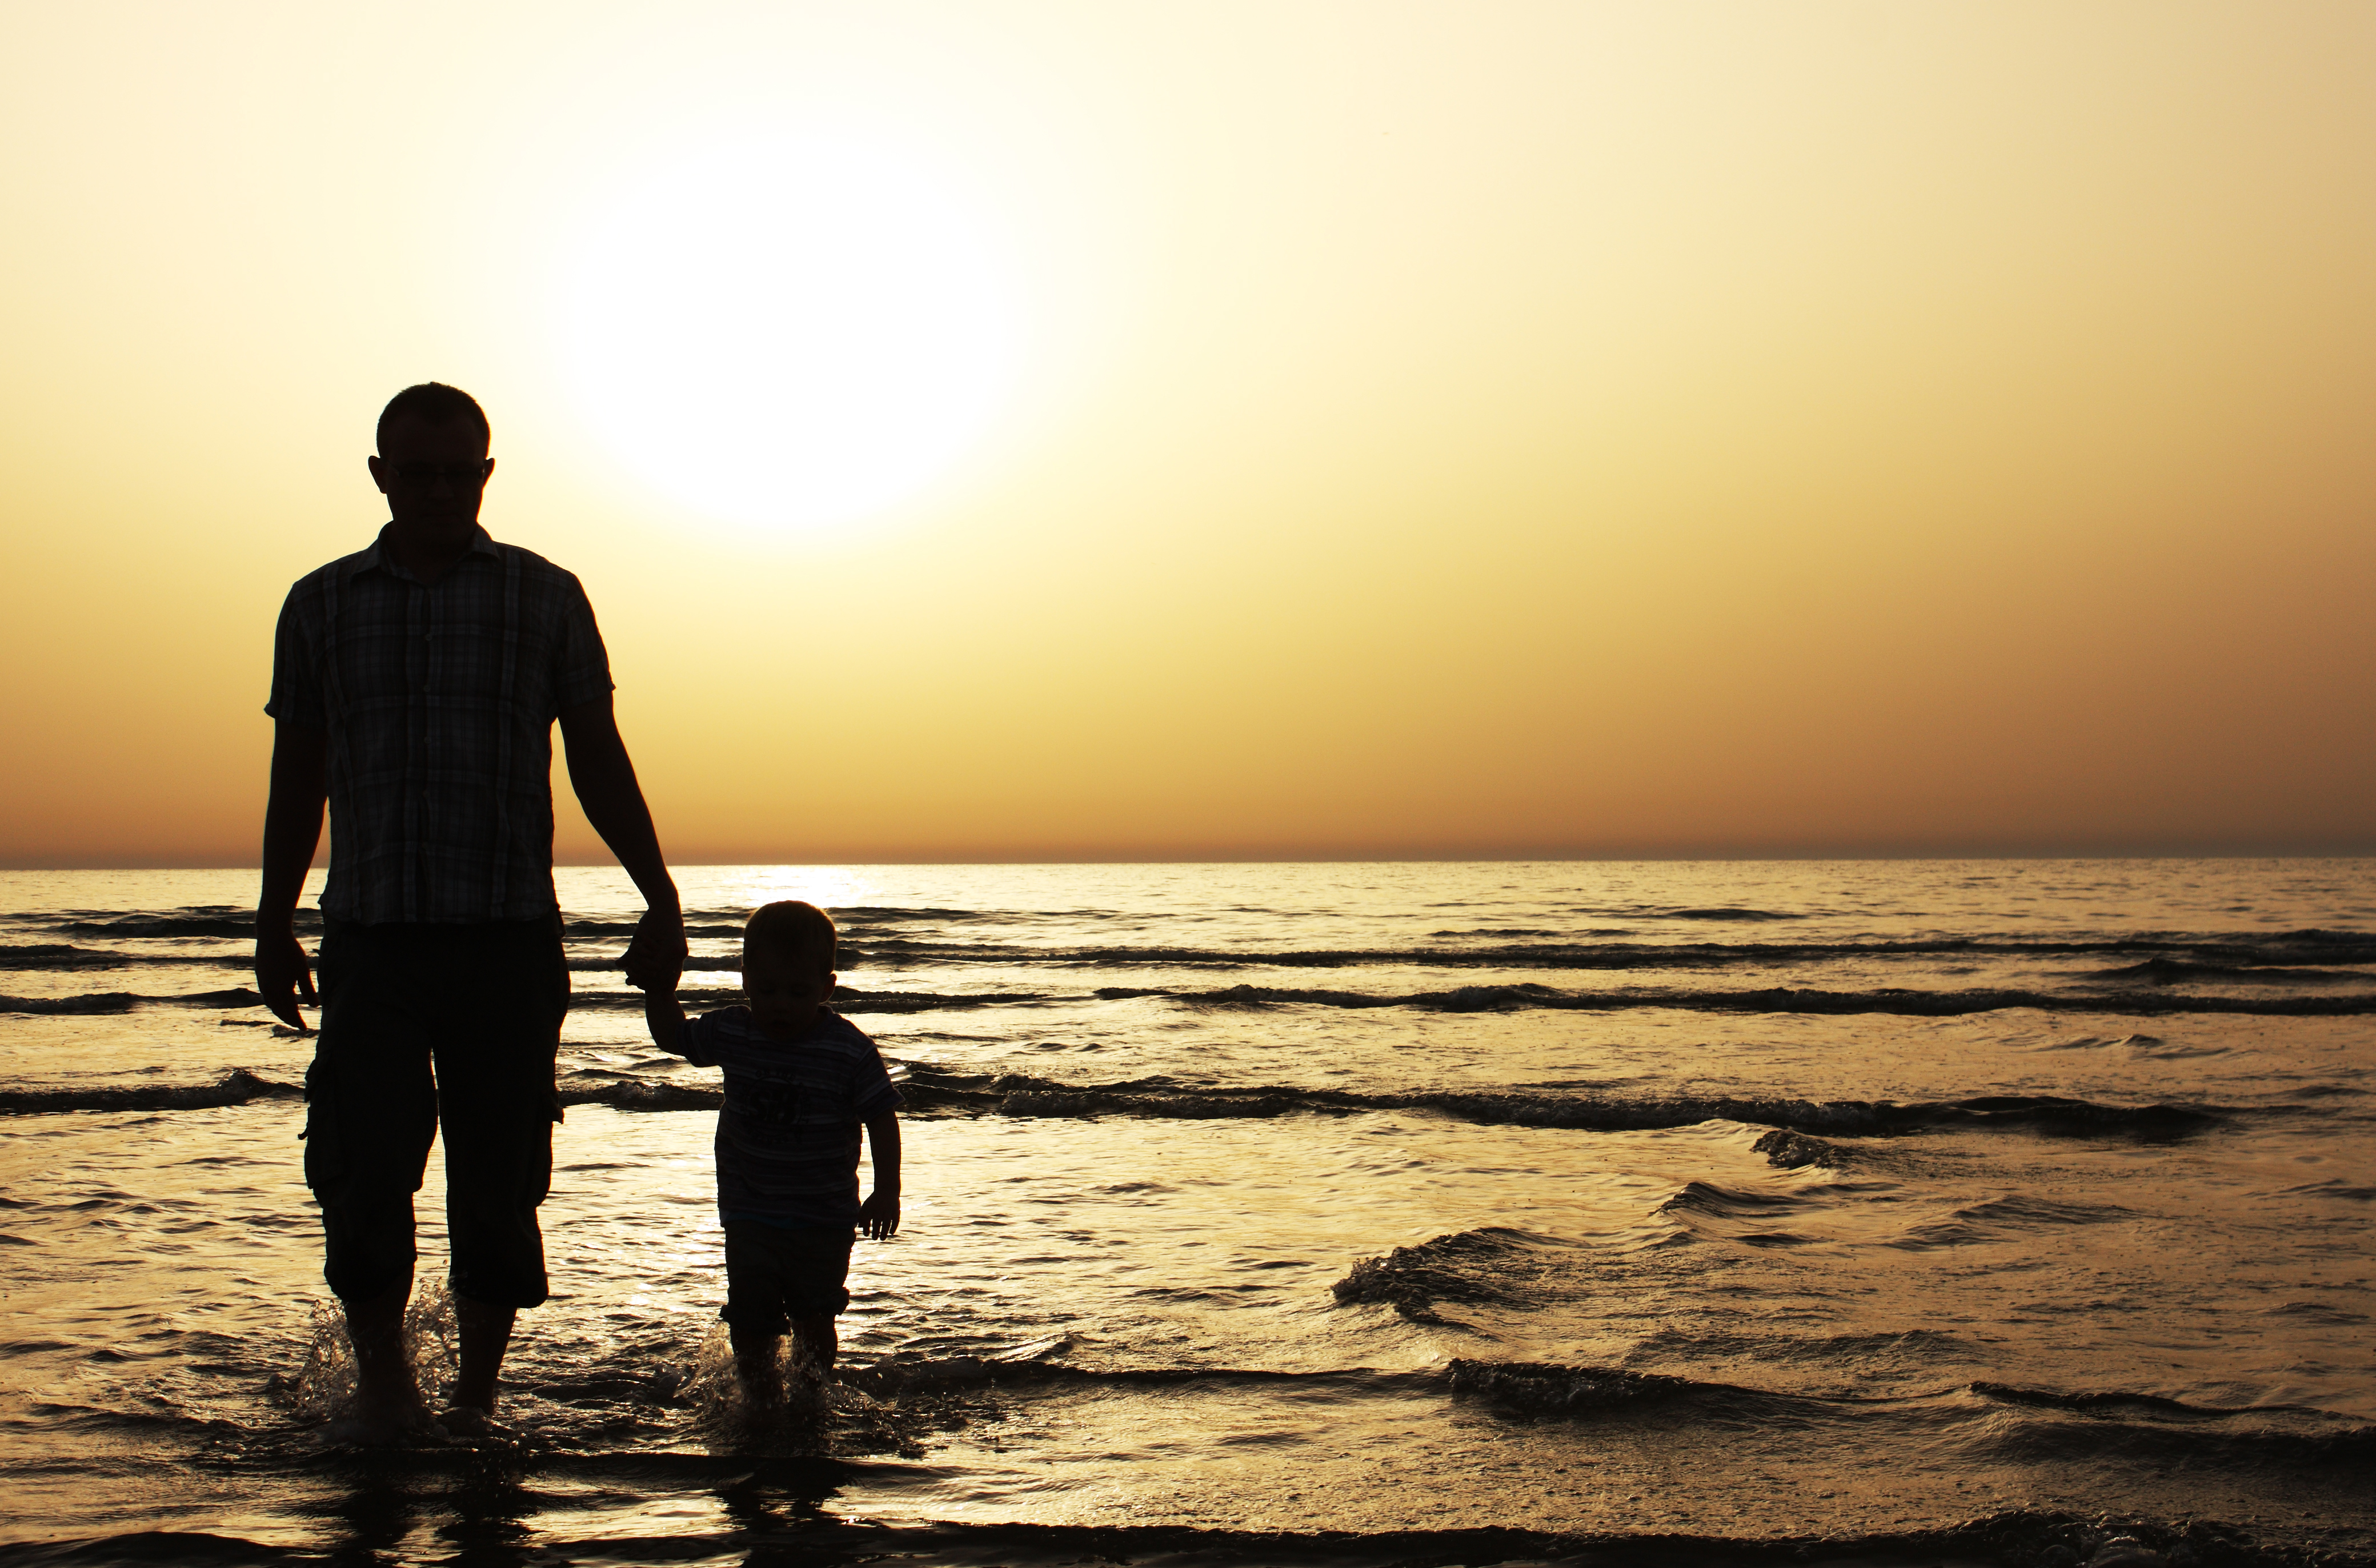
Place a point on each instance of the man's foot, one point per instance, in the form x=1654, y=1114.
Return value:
x=388, y=1409
x=484, y=1332
x=469, y=1421
x=388, y=1420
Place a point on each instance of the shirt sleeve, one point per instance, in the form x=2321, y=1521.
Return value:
x=870, y=1090
x=296, y=671
x=581, y=666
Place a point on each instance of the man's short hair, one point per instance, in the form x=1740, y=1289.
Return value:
x=795, y=932
x=431, y=402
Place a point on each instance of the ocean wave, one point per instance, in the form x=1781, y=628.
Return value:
x=1908, y=1004
x=2267, y=1435
x=65, y=955
x=623, y=1093
x=2179, y=972
x=2119, y=1424
x=1490, y=1266
x=1726, y=1202
x=1797, y=1137
x=1041, y=1365
x=2117, y=1403
x=728, y=923
x=236, y=1086
x=1787, y=1150
x=1018, y=1094
x=2099, y=1424
x=698, y=998
x=2334, y=1187
x=1537, y=1388
x=696, y=929
x=126, y=1001
x=203, y=920
x=1571, y=951
x=1991, y=1220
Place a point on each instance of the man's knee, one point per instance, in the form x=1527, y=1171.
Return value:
x=366, y=1243
x=495, y=1178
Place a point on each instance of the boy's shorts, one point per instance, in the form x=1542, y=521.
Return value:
x=777, y=1273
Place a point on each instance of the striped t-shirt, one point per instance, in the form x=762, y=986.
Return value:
x=788, y=1137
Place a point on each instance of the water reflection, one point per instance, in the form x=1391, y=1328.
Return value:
x=495, y=1510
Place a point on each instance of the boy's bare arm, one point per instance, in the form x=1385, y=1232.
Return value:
x=878, y=1217
x=664, y=1020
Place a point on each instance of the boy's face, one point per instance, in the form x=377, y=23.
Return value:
x=784, y=993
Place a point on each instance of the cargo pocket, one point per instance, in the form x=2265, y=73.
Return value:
x=325, y=1161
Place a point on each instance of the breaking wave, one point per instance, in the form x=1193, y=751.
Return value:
x=236, y=1086
x=126, y=1001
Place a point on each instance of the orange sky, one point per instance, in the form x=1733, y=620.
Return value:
x=1419, y=429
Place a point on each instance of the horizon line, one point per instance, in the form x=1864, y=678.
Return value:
x=8, y=864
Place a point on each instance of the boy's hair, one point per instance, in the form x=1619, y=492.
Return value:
x=796, y=933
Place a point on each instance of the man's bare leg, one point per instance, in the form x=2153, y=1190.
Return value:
x=387, y=1400
x=755, y=1363
x=485, y=1333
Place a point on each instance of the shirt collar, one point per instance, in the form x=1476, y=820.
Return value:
x=376, y=556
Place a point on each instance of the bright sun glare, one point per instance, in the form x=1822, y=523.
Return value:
x=789, y=333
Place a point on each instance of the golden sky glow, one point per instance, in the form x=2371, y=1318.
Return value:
x=1361, y=428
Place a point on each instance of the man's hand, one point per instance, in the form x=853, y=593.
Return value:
x=282, y=968
x=655, y=959
x=878, y=1217
x=292, y=826
x=605, y=781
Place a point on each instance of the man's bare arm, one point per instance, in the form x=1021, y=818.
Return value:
x=292, y=829
x=604, y=777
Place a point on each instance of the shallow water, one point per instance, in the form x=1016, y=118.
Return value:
x=1911, y=1211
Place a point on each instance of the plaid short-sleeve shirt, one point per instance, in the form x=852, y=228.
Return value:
x=439, y=700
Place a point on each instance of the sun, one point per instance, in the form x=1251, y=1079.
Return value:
x=789, y=332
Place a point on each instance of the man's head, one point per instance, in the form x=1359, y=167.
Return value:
x=433, y=464
x=788, y=954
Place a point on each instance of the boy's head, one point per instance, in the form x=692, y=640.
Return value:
x=787, y=950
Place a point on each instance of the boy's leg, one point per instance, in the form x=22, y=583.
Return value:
x=498, y=1033
x=817, y=1291
x=813, y=1341
x=756, y=1365
x=754, y=1307
x=371, y=1113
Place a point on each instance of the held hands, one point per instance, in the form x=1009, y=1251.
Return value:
x=655, y=959
x=282, y=967
x=878, y=1217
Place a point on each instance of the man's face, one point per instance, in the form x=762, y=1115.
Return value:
x=434, y=476
x=784, y=995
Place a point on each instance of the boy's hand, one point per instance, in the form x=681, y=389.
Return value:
x=878, y=1217
x=655, y=957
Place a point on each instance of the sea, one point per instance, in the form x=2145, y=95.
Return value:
x=1887, y=1211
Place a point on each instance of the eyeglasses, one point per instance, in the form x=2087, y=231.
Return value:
x=461, y=476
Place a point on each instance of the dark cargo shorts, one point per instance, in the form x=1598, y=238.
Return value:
x=428, y=1029
x=775, y=1274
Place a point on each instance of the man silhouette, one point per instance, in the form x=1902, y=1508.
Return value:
x=414, y=689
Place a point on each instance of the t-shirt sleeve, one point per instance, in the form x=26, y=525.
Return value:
x=296, y=672
x=870, y=1090
x=581, y=666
